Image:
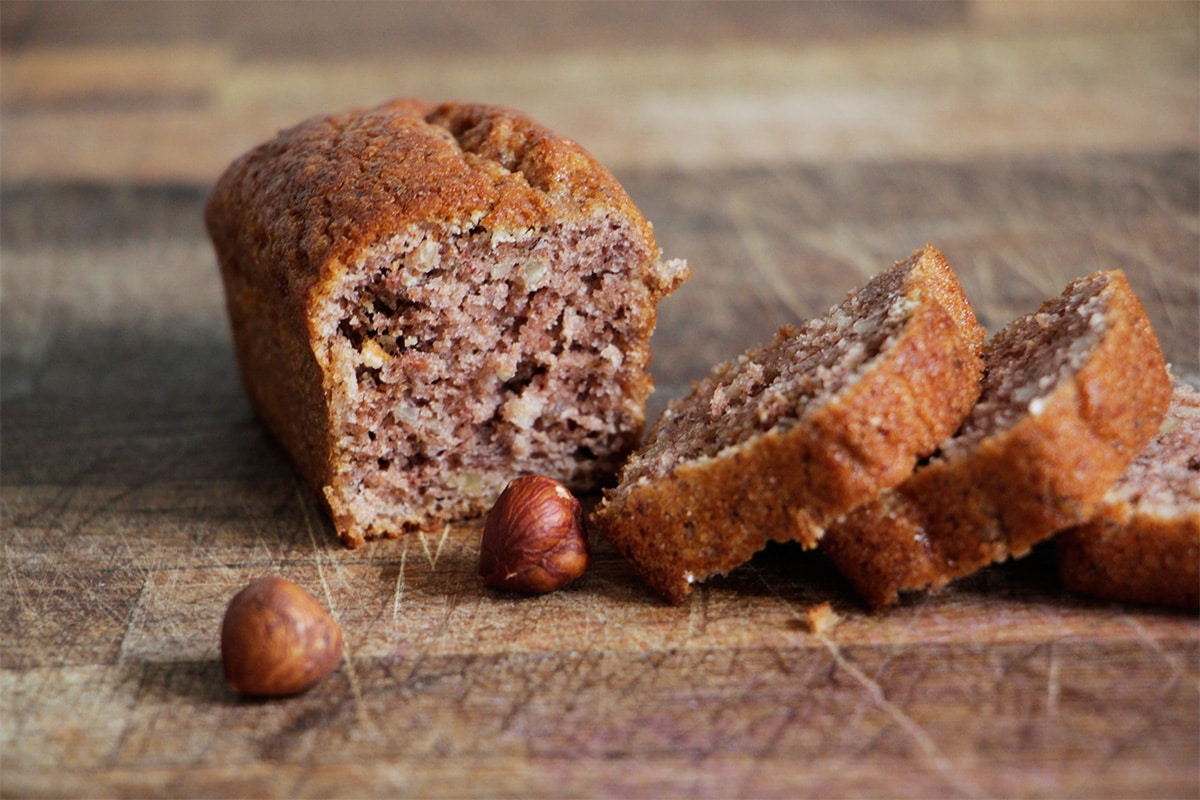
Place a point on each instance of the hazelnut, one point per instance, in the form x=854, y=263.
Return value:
x=276, y=639
x=533, y=538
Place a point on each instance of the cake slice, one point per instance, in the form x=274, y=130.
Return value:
x=1144, y=544
x=1070, y=395
x=782, y=440
x=427, y=302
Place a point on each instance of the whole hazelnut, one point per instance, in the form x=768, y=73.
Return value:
x=533, y=538
x=276, y=639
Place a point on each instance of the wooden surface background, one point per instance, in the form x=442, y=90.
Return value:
x=788, y=151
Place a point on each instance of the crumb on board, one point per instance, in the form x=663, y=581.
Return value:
x=822, y=619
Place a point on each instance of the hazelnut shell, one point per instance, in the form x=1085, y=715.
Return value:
x=277, y=639
x=533, y=538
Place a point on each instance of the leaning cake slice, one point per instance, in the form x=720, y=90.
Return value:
x=1070, y=395
x=427, y=302
x=779, y=442
x=1144, y=544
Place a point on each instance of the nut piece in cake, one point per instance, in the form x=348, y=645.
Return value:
x=427, y=300
x=779, y=442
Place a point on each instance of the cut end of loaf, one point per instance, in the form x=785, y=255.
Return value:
x=458, y=363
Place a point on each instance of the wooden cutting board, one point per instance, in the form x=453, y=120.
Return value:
x=139, y=493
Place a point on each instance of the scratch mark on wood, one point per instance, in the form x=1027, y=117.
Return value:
x=1141, y=260
x=441, y=542
x=133, y=618
x=13, y=582
x=929, y=749
x=925, y=742
x=698, y=615
x=1144, y=178
x=1052, y=684
x=1151, y=644
x=398, y=592
x=1046, y=281
x=433, y=557
x=761, y=259
x=351, y=674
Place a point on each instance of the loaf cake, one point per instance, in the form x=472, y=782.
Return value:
x=780, y=441
x=1070, y=395
x=427, y=302
x=1144, y=544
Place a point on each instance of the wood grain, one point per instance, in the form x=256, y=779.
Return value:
x=788, y=151
x=119, y=92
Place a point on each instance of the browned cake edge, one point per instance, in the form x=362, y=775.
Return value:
x=1133, y=558
x=709, y=516
x=1018, y=487
x=1142, y=552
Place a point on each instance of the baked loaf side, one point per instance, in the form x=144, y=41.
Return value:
x=1070, y=395
x=790, y=435
x=1144, y=544
x=429, y=301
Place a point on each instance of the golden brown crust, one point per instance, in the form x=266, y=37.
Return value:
x=1021, y=484
x=1144, y=544
x=292, y=216
x=1138, y=558
x=302, y=205
x=710, y=515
